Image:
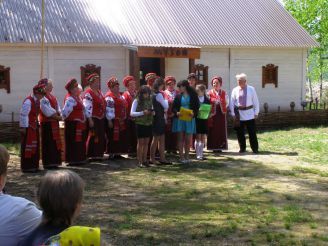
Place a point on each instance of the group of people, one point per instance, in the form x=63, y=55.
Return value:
x=59, y=197
x=161, y=115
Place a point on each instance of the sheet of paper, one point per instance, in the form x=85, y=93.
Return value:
x=185, y=114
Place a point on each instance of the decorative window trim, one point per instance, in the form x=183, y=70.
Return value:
x=86, y=71
x=270, y=75
x=5, y=83
x=201, y=71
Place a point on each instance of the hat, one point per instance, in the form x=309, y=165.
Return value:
x=43, y=81
x=169, y=79
x=39, y=89
x=72, y=83
x=112, y=82
x=127, y=79
x=218, y=78
x=192, y=76
x=92, y=77
x=150, y=78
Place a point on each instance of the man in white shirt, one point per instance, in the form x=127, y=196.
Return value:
x=244, y=107
x=18, y=216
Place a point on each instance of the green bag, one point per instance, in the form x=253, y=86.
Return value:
x=204, y=111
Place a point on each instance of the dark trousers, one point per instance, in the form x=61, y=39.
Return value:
x=251, y=129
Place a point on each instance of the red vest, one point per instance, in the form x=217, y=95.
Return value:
x=34, y=112
x=120, y=106
x=129, y=100
x=98, y=104
x=53, y=103
x=218, y=96
x=77, y=113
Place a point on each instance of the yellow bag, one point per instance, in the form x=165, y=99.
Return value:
x=185, y=114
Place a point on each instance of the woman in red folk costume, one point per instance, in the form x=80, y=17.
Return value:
x=116, y=115
x=150, y=79
x=217, y=131
x=129, y=95
x=170, y=93
x=95, y=109
x=50, y=116
x=75, y=126
x=29, y=128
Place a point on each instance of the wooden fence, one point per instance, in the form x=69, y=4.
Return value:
x=9, y=131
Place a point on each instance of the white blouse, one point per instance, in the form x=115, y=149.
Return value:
x=47, y=109
x=88, y=105
x=110, y=108
x=69, y=105
x=133, y=111
x=162, y=101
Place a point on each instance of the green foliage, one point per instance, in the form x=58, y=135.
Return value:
x=313, y=16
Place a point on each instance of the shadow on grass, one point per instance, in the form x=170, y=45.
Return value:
x=208, y=202
x=219, y=201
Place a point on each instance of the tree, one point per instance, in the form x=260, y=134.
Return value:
x=313, y=16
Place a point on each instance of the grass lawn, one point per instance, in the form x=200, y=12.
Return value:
x=279, y=197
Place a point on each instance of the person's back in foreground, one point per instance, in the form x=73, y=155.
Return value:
x=18, y=216
x=60, y=196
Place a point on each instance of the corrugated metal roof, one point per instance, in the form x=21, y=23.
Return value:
x=251, y=23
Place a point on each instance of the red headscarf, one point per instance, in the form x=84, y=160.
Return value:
x=150, y=78
x=43, y=81
x=71, y=83
x=218, y=78
x=39, y=89
x=91, y=78
x=169, y=79
x=112, y=82
x=127, y=79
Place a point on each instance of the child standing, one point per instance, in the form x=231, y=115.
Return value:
x=142, y=111
x=201, y=124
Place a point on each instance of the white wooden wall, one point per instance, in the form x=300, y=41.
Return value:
x=24, y=72
x=291, y=74
x=228, y=62
x=61, y=63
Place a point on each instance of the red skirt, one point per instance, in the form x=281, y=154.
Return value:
x=96, y=139
x=51, y=148
x=217, y=133
x=75, y=147
x=119, y=146
x=30, y=150
x=131, y=136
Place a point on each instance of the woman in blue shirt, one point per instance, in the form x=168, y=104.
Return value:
x=187, y=99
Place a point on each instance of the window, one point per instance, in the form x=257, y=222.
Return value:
x=5, y=78
x=201, y=72
x=270, y=75
x=86, y=71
